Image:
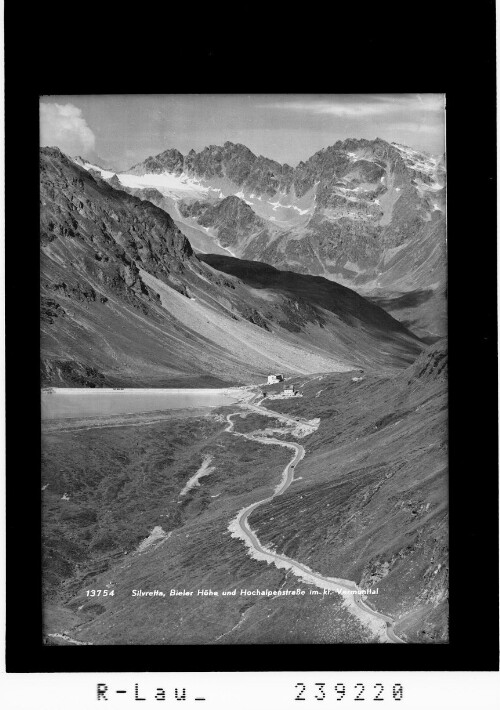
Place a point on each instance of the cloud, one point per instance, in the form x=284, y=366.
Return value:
x=64, y=126
x=417, y=126
x=345, y=106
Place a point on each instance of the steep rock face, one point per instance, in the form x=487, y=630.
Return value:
x=125, y=300
x=233, y=161
x=111, y=234
x=233, y=219
x=331, y=165
x=170, y=161
x=238, y=164
x=67, y=190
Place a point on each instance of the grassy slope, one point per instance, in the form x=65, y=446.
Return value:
x=372, y=502
x=369, y=504
x=122, y=482
x=339, y=307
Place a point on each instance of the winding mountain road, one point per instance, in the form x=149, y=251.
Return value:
x=380, y=624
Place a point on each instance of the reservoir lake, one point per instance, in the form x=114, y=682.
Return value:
x=78, y=403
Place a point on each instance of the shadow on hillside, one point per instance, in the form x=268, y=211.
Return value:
x=404, y=300
x=346, y=303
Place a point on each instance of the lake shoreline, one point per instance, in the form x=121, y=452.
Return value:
x=144, y=390
x=71, y=403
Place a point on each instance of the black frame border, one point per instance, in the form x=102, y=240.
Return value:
x=471, y=146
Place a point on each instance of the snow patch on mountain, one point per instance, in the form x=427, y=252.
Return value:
x=166, y=183
x=105, y=174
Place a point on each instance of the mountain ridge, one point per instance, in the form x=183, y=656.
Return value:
x=126, y=300
x=351, y=212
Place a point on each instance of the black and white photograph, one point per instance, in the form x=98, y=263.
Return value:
x=244, y=369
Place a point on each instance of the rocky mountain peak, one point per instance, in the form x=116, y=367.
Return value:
x=114, y=181
x=170, y=161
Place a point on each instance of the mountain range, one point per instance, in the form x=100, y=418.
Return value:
x=126, y=300
x=365, y=213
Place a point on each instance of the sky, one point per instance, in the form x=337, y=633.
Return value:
x=118, y=131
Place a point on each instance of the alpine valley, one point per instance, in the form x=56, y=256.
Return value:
x=208, y=271
x=366, y=214
x=126, y=298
